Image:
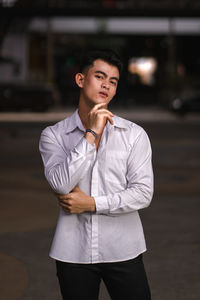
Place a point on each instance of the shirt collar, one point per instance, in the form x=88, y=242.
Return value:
x=119, y=122
x=75, y=122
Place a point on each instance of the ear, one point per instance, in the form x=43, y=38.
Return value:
x=79, y=78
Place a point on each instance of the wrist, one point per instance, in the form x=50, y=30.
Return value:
x=90, y=137
x=92, y=132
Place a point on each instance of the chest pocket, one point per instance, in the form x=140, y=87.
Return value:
x=116, y=167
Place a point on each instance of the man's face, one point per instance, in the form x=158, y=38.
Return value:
x=99, y=83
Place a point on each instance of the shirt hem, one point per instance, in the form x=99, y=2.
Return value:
x=98, y=262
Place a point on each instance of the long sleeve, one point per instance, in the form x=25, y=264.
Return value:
x=139, y=190
x=64, y=169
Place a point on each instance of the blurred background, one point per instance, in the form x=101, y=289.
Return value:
x=41, y=41
x=40, y=45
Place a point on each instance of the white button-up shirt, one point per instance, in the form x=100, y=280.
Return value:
x=118, y=175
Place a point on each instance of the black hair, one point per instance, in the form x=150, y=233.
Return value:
x=109, y=56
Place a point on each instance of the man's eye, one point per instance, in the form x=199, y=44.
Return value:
x=99, y=76
x=113, y=82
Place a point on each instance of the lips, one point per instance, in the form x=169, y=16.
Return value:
x=103, y=94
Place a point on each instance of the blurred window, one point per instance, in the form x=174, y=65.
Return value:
x=144, y=68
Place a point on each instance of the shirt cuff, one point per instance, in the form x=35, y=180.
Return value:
x=101, y=204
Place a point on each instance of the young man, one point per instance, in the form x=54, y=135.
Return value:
x=100, y=167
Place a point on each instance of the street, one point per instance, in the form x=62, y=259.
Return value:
x=28, y=212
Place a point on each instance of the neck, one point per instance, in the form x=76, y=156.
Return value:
x=83, y=111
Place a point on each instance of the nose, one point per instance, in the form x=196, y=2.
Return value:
x=105, y=84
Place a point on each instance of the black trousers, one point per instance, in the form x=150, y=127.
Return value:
x=124, y=280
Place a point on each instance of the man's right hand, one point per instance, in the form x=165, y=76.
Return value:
x=98, y=117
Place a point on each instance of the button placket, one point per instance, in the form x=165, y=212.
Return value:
x=94, y=192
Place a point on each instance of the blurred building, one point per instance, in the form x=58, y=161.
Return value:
x=40, y=41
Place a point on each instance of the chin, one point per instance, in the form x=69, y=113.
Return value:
x=102, y=100
x=98, y=101
x=93, y=103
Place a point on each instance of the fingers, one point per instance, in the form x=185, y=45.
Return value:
x=105, y=115
x=65, y=205
x=101, y=108
x=110, y=120
x=104, y=112
x=98, y=106
x=66, y=197
x=69, y=201
x=98, y=116
x=62, y=197
x=101, y=113
x=65, y=200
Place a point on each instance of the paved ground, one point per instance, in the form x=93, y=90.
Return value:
x=28, y=210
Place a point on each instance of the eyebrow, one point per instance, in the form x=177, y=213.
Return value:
x=104, y=74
